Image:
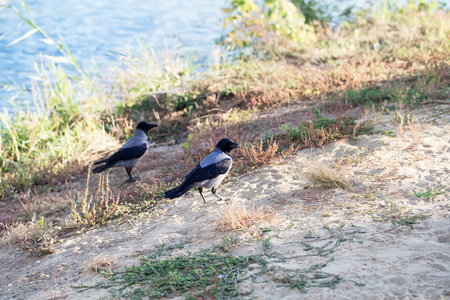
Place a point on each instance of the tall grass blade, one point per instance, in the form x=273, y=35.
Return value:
x=26, y=35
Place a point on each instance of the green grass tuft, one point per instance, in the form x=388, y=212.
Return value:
x=428, y=194
x=320, y=130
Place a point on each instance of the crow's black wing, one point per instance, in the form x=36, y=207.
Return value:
x=199, y=174
x=127, y=153
x=209, y=172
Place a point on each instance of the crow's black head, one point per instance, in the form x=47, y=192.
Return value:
x=226, y=145
x=145, y=126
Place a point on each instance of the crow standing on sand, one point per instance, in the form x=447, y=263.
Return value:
x=131, y=152
x=209, y=173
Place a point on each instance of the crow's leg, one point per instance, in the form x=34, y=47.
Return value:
x=200, y=189
x=213, y=190
x=131, y=179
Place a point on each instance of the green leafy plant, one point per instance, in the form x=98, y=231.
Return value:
x=253, y=25
x=244, y=16
x=286, y=20
x=397, y=215
x=428, y=194
x=204, y=273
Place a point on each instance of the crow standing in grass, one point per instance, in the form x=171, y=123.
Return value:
x=131, y=152
x=209, y=173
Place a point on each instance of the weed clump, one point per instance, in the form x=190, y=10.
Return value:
x=396, y=214
x=235, y=215
x=102, y=263
x=37, y=237
x=322, y=175
x=264, y=152
x=428, y=194
x=95, y=209
x=320, y=130
x=199, y=275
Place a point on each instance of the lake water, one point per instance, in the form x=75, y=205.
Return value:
x=98, y=30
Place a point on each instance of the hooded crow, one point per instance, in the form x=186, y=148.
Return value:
x=209, y=173
x=131, y=152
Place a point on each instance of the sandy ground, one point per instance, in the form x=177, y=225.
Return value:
x=401, y=262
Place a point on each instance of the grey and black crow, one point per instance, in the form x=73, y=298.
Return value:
x=209, y=173
x=131, y=152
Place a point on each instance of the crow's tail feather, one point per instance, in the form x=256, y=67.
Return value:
x=100, y=169
x=171, y=194
x=100, y=161
x=178, y=191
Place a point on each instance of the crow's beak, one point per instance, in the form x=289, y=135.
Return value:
x=152, y=126
x=234, y=145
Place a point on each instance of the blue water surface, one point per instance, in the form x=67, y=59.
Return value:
x=99, y=30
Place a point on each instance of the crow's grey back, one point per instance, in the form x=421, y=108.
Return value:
x=214, y=157
x=137, y=139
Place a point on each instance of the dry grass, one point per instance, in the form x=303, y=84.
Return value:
x=264, y=152
x=5, y=221
x=412, y=134
x=235, y=215
x=95, y=208
x=49, y=204
x=322, y=175
x=101, y=263
x=37, y=237
x=35, y=221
